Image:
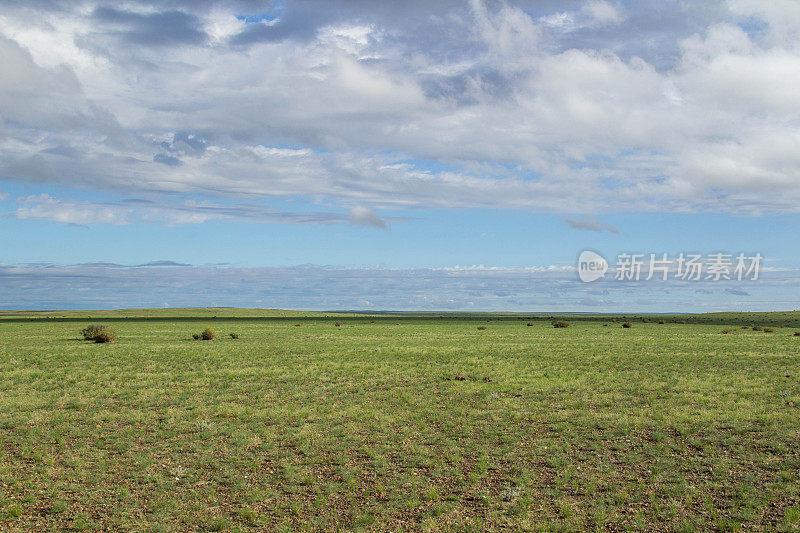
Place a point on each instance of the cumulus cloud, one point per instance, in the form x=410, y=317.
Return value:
x=533, y=105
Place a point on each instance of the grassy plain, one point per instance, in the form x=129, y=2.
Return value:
x=398, y=422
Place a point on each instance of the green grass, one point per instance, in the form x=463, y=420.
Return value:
x=398, y=423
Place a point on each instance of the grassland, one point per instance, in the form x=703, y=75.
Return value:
x=399, y=422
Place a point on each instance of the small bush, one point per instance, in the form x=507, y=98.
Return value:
x=196, y=336
x=234, y=335
x=768, y=330
x=105, y=336
x=560, y=324
x=757, y=328
x=528, y=324
x=726, y=331
x=208, y=334
x=90, y=333
x=338, y=324
x=660, y=321
x=626, y=325
x=481, y=328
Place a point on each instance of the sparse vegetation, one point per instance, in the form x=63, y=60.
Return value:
x=234, y=335
x=560, y=324
x=627, y=325
x=409, y=420
x=768, y=329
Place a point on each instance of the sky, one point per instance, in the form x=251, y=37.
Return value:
x=437, y=155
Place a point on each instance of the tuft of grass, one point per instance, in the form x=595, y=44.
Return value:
x=627, y=325
x=560, y=324
x=757, y=328
x=234, y=335
x=481, y=328
x=768, y=329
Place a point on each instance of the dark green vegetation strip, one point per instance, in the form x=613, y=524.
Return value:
x=399, y=423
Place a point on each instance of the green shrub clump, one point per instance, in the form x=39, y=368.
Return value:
x=560, y=324
x=105, y=336
x=234, y=335
x=91, y=332
x=626, y=325
x=768, y=330
x=208, y=334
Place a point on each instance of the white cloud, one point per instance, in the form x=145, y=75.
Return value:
x=590, y=223
x=526, y=289
x=354, y=110
x=140, y=211
x=604, y=13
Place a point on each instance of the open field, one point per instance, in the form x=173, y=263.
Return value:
x=399, y=422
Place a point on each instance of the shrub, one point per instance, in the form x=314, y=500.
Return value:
x=481, y=328
x=234, y=335
x=90, y=333
x=560, y=324
x=660, y=321
x=726, y=331
x=626, y=324
x=105, y=336
x=208, y=334
x=196, y=336
x=768, y=330
x=338, y=324
x=528, y=324
x=757, y=328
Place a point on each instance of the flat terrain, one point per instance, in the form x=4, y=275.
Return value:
x=399, y=422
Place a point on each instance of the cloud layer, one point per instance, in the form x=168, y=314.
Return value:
x=546, y=289
x=565, y=107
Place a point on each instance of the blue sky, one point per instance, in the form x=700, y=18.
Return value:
x=333, y=152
